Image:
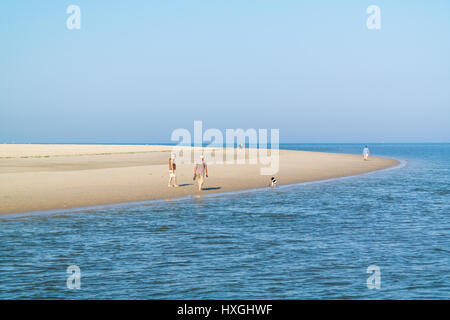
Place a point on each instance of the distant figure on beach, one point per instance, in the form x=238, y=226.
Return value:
x=200, y=171
x=172, y=168
x=366, y=153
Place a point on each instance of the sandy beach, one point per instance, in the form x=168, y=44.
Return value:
x=46, y=177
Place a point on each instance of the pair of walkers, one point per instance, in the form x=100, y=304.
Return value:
x=200, y=171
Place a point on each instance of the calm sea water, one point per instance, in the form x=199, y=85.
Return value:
x=310, y=241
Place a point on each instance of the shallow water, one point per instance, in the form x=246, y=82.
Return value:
x=307, y=241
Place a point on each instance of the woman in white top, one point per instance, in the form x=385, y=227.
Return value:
x=366, y=153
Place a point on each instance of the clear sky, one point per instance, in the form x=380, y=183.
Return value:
x=137, y=70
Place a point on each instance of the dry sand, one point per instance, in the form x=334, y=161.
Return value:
x=45, y=177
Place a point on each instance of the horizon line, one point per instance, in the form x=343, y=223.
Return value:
x=173, y=143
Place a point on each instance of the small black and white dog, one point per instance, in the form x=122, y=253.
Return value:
x=273, y=182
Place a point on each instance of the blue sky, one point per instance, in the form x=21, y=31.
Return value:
x=137, y=70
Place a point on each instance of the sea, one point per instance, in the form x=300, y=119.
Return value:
x=380, y=235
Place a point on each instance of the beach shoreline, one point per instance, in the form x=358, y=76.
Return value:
x=52, y=177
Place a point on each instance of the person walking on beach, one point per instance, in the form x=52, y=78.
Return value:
x=200, y=171
x=366, y=153
x=172, y=168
